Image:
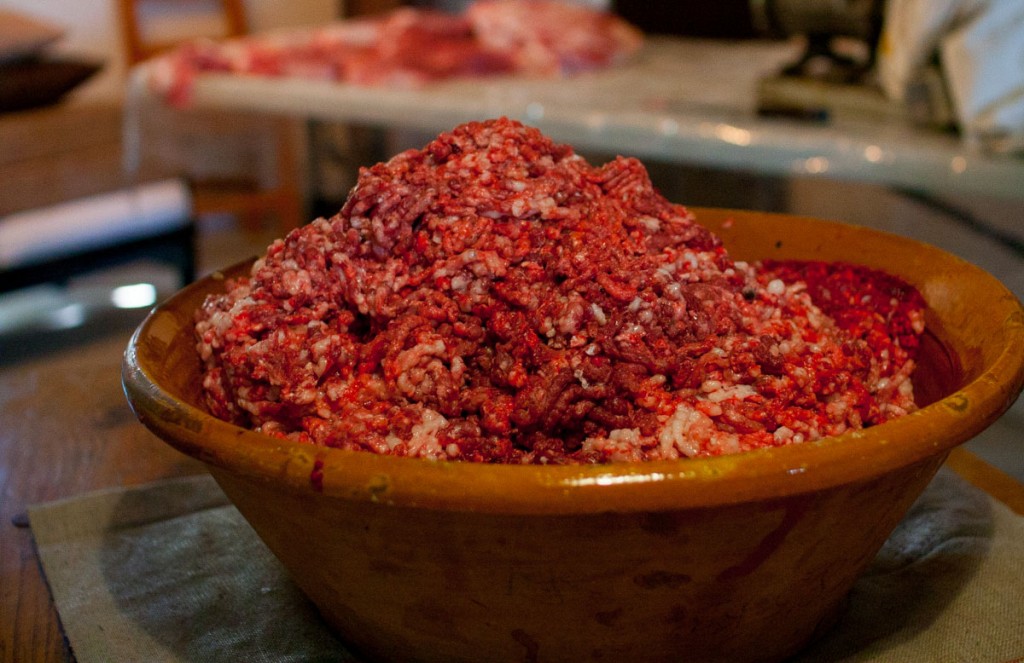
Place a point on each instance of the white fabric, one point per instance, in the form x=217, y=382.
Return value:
x=983, y=61
x=66, y=229
x=980, y=44
x=910, y=37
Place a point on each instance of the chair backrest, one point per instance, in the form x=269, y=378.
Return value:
x=139, y=46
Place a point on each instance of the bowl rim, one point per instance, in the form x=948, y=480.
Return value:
x=771, y=473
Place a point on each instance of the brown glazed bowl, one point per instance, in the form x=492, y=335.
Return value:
x=736, y=558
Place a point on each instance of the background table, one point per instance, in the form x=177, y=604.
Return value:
x=683, y=101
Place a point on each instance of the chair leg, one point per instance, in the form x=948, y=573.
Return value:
x=251, y=218
x=290, y=207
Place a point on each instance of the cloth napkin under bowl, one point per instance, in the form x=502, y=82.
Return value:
x=171, y=572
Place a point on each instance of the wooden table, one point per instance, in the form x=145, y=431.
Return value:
x=66, y=429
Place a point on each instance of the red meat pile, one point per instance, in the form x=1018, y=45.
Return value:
x=493, y=297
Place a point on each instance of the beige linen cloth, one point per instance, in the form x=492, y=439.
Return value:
x=171, y=572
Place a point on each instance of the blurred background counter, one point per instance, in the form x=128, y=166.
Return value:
x=688, y=101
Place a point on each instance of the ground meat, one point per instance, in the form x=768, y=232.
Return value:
x=409, y=47
x=493, y=297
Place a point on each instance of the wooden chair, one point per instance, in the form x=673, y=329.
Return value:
x=139, y=48
x=245, y=197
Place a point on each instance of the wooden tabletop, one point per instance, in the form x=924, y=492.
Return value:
x=66, y=429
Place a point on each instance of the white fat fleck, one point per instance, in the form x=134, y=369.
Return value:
x=783, y=434
x=423, y=441
x=683, y=431
x=650, y=223
x=688, y=429
x=414, y=355
x=737, y=392
x=630, y=435
x=710, y=385
x=599, y=314
x=776, y=287
x=837, y=409
x=622, y=444
x=917, y=322
x=632, y=330
x=544, y=203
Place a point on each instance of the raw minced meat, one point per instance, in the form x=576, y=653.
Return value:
x=494, y=297
x=408, y=47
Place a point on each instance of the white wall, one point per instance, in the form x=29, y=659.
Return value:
x=92, y=31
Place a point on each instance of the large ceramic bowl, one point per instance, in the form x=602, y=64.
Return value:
x=734, y=558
